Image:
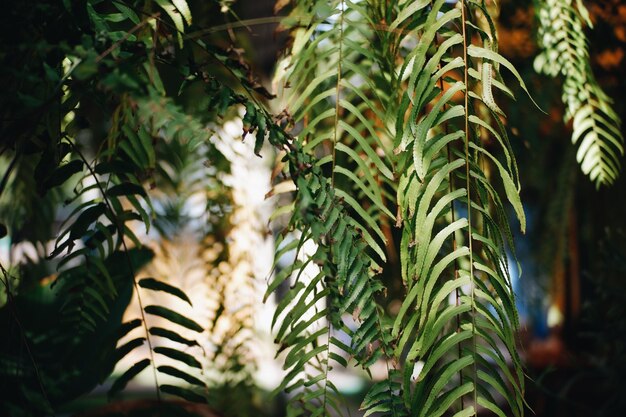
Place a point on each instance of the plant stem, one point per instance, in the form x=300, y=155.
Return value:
x=469, y=199
x=120, y=232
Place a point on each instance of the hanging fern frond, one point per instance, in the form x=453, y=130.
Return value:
x=344, y=202
x=307, y=331
x=410, y=113
x=596, y=126
x=112, y=189
x=344, y=121
x=97, y=228
x=459, y=302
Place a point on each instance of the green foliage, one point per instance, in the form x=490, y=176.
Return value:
x=596, y=126
x=403, y=173
x=104, y=77
x=399, y=128
x=65, y=363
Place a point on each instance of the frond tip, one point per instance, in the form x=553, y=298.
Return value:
x=596, y=127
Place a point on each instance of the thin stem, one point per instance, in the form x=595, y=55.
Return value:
x=454, y=242
x=383, y=346
x=457, y=294
x=337, y=93
x=469, y=197
x=120, y=232
x=246, y=23
x=127, y=35
x=332, y=178
x=327, y=367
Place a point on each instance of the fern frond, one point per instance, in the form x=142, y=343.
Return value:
x=335, y=87
x=596, y=126
x=385, y=397
x=114, y=194
x=456, y=261
x=345, y=279
x=339, y=91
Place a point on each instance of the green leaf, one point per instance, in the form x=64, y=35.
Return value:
x=183, y=393
x=126, y=348
x=63, y=173
x=176, y=17
x=173, y=336
x=174, y=317
x=466, y=412
x=127, y=327
x=407, y=12
x=120, y=383
x=178, y=355
x=126, y=188
x=183, y=8
x=126, y=11
x=509, y=187
x=86, y=219
x=182, y=375
x=155, y=285
x=479, y=52
x=115, y=166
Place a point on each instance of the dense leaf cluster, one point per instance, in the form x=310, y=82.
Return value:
x=97, y=127
x=400, y=128
x=402, y=169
